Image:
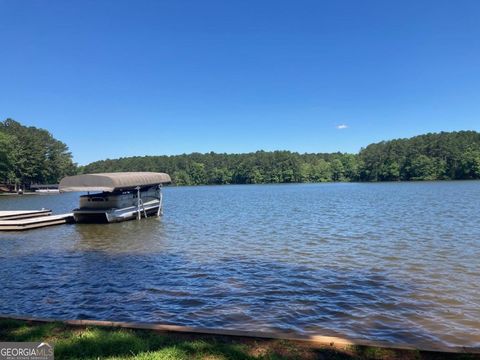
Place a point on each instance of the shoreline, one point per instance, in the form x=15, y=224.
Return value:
x=342, y=348
x=283, y=183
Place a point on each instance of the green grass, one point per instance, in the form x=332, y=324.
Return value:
x=92, y=342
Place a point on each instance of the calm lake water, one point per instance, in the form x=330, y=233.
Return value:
x=397, y=262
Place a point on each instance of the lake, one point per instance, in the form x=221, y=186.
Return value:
x=397, y=262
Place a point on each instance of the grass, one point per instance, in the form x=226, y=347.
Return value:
x=92, y=342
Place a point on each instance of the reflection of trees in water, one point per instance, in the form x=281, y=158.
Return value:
x=227, y=293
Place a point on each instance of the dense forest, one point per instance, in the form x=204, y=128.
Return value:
x=29, y=155
x=442, y=156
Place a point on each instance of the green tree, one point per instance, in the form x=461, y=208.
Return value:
x=180, y=177
x=255, y=176
x=6, y=160
x=470, y=164
x=220, y=176
x=422, y=168
x=34, y=155
x=321, y=172
x=197, y=173
x=389, y=171
x=338, y=170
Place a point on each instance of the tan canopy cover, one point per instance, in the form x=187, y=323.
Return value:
x=111, y=181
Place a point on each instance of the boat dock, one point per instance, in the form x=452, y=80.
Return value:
x=19, y=220
x=23, y=214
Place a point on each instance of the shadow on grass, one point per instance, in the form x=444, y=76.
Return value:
x=97, y=342
x=77, y=342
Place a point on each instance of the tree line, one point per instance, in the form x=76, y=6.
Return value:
x=253, y=168
x=29, y=155
x=441, y=156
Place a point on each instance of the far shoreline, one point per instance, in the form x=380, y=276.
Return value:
x=29, y=193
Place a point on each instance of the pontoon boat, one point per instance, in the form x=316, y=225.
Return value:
x=118, y=196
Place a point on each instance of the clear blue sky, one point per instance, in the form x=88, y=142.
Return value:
x=119, y=78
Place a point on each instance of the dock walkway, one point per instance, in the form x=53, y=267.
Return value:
x=23, y=214
x=19, y=220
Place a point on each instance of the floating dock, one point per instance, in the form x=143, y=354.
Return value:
x=31, y=219
x=23, y=214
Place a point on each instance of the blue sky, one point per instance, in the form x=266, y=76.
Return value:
x=120, y=78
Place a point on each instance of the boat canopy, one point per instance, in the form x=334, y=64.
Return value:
x=112, y=181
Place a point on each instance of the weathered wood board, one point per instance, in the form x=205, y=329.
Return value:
x=36, y=222
x=23, y=214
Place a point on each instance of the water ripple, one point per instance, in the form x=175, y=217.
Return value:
x=392, y=262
